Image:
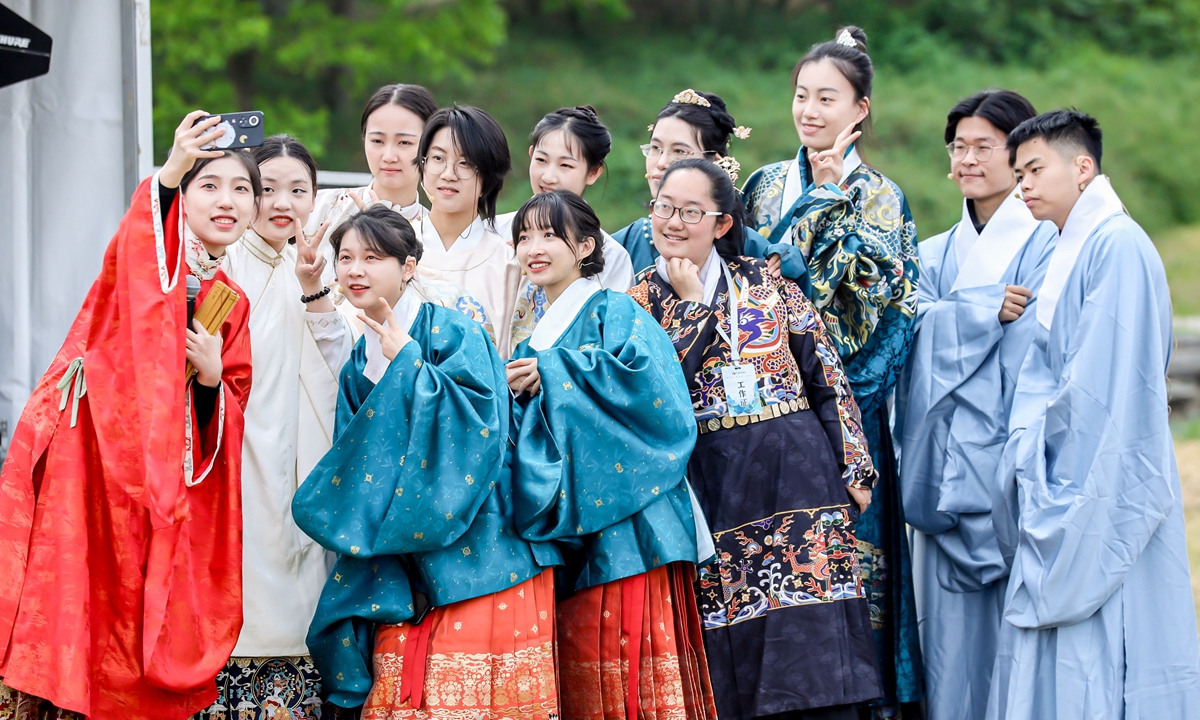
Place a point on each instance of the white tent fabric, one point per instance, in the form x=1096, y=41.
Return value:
x=69, y=146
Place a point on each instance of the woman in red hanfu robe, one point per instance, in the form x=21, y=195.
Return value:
x=120, y=507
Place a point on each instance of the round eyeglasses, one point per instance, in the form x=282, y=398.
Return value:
x=651, y=150
x=690, y=215
x=463, y=170
x=958, y=151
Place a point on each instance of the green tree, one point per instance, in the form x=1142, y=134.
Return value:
x=308, y=64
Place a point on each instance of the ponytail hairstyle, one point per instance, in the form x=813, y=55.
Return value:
x=571, y=219
x=381, y=230
x=413, y=98
x=278, y=146
x=725, y=196
x=582, y=128
x=848, y=53
x=481, y=141
x=707, y=113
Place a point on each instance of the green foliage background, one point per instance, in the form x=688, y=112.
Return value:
x=310, y=64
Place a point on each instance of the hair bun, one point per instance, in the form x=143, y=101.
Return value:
x=588, y=111
x=855, y=33
x=720, y=112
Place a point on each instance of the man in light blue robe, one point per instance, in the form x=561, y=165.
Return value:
x=1099, y=617
x=973, y=329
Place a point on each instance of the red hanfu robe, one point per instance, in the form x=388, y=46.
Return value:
x=120, y=539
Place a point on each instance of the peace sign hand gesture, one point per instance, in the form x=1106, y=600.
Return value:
x=372, y=199
x=392, y=337
x=827, y=165
x=310, y=261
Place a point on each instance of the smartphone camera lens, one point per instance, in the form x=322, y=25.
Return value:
x=253, y=121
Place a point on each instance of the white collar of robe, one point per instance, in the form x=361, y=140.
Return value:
x=1098, y=203
x=405, y=311
x=793, y=185
x=984, y=258
x=710, y=274
x=561, y=313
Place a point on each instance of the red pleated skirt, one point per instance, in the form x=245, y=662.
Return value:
x=632, y=649
x=487, y=658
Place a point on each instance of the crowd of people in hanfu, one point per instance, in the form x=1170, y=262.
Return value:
x=382, y=453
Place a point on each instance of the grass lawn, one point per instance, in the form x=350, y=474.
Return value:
x=1180, y=250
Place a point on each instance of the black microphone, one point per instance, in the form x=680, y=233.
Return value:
x=193, y=289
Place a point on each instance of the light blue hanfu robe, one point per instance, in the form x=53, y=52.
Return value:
x=415, y=488
x=952, y=421
x=638, y=240
x=1100, y=622
x=601, y=452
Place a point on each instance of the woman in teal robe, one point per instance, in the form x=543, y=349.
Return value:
x=853, y=229
x=604, y=432
x=414, y=496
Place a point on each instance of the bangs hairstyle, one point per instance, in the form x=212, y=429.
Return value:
x=724, y=195
x=852, y=62
x=570, y=218
x=414, y=98
x=382, y=230
x=481, y=142
x=582, y=130
x=278, y=146
x=1062, y=128
x=243, y=156
x=1004, y=109
x=714, y=125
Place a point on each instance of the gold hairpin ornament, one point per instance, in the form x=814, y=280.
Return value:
x=730, y=165
x=691, y=97
x=741, y=132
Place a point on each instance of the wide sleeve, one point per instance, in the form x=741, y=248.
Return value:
x=192, y=609
x=827, y=388
x=1095, y=469
x=609, y=433
x=410, y=469
x=791, y=261
x=222, y=433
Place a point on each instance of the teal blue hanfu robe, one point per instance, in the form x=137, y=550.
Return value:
x=414, y=489
x=859, y=243
x=601, y=451
x=952, y=421
x=1099, y=618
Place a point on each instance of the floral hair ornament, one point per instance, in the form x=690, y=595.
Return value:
x=730, y=165
x=691, y=97
x=650, y=127
x=845, y=38
x=741, y=132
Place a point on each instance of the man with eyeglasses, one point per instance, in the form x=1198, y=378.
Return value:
x=953, y=400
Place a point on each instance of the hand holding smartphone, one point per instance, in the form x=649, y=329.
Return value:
x=241, y=130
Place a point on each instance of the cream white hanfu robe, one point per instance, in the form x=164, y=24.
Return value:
x=483, y=265
x=1099, y=618
x=289, y=427
x=952, y=421
x=617, y=276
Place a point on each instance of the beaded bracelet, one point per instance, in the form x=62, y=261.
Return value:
x=309, y=298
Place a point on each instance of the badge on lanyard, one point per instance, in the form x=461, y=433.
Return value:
x=739, y=378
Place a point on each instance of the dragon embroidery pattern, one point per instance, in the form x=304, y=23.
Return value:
x=792, y=558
